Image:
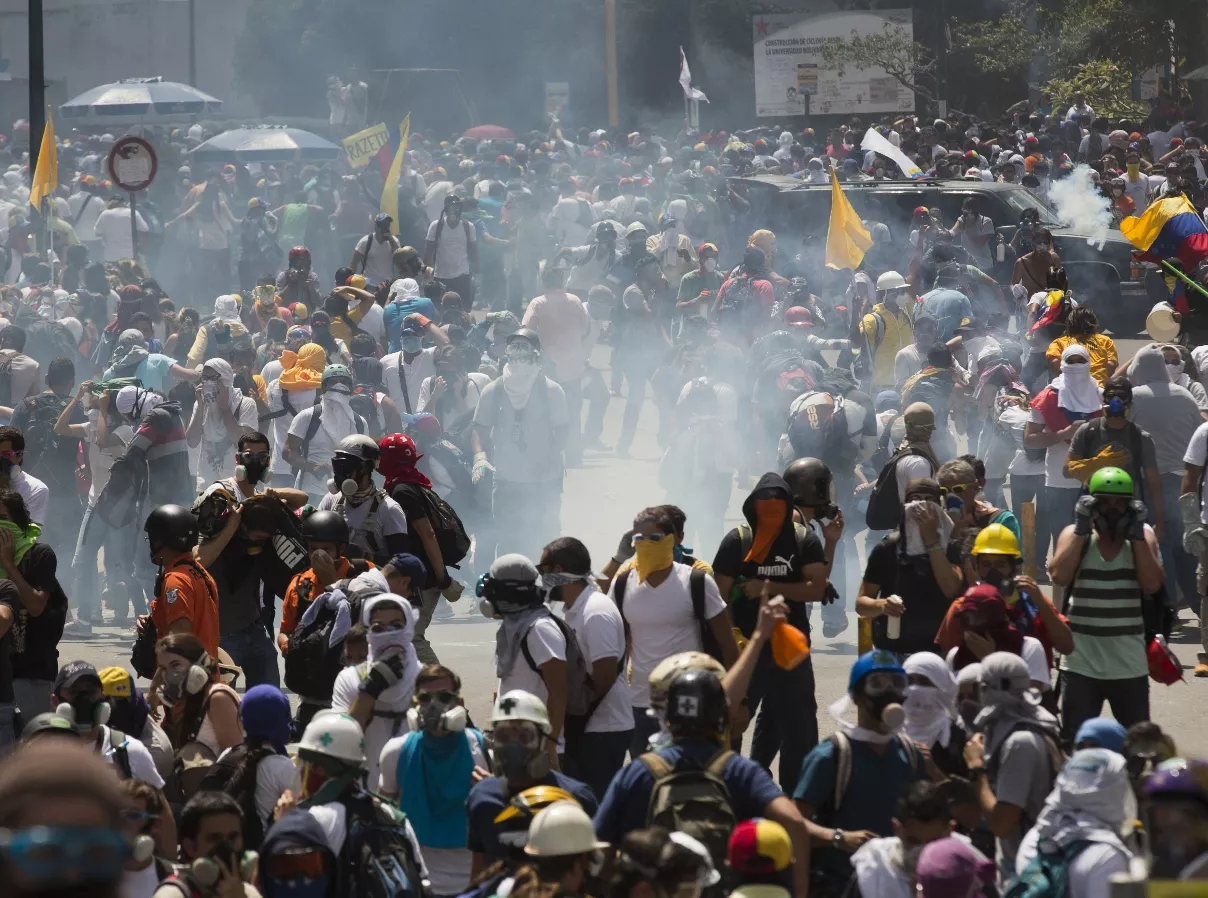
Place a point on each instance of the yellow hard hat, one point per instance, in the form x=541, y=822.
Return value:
x=996, y=539
x=526, y=805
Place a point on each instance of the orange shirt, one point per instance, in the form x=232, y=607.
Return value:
x=188, y=591
x=303, y=590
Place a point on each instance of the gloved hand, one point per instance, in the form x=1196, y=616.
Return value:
x=1084, y=512
x=1195, y=534
x=1138, y=514
x=480, y=468
x=383, y=675
x=624, y=548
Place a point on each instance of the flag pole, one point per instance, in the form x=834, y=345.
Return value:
x=1184, y=278
x=37, y=107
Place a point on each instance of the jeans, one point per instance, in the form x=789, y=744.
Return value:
x=118, y=546
x=423, y=648
x=644, y=726
x=253, y=650
x=463, y=286
x=1082, y=698
x=601, y=756
x=33, y=696
x=1030, y=488
x=788, y=719
x=8, y=738
x=993, y=490
x=1177, y=562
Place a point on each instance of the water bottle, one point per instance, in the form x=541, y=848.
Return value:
x=893, y=627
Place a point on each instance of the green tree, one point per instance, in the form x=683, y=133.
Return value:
x=1106, y=86
x=907, y=61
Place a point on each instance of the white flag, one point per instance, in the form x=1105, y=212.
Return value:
x=685, y=80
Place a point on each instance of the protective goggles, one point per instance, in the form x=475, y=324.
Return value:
x=880, y=682
x=57, y=855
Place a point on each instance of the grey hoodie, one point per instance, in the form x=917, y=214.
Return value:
x=1166, y=411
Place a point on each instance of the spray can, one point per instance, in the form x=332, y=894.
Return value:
x=1002, y=249
x=893, y=627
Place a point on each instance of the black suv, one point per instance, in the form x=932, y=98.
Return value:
x=1102, y=278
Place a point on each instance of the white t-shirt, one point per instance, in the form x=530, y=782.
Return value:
x=662, y=622
x=476, y=382
x=140, y=883
x=322, y=448
x=113, y=230
x=1054, y=461
x=1090, y=871
x=300, y=400
x=217, y=460
x=374, y=324
x=414, y=372
x=600, y=632
x=142, y=765
x=84, y=222
x=274, y=775
x=448, y=868
x=1017, y=419
x=1197, y=454
x=1032, y=653
x=453, y=249
x=35, y=493
x=545, y=641
x=1139, y=191
x=271, y=371
x=378, y=267
x=333, y=818
x=910, y=467
x=381, y=729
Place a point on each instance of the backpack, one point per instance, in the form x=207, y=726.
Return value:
x=696, y=586
x=119, y=744
x=221, y=777
x=884, y=505
x=378, y=859
x=312, y=663
x=316, y=420
x=843, y=764
x=929, y=390
x=52, y=456
x=581, y=700
x=817, y=430
x=451, y=533
x=1047, y=874
x=695, y=801
x=394, y=244
x=739, y=299
x=364, y=403
x=6, y=381
x=884, y=451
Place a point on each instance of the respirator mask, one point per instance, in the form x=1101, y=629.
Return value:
x=883, y=693
x=497, y=598
x=437, y=714
x=518, y=754
x=207, y=871
x=251, y=466
x=85, y=711
x=346, y=470
x=179, y=683
x=1115, y=407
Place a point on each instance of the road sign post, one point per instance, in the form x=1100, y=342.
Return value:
x=132, y=165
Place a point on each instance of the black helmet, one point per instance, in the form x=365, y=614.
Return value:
x=526, y=333
x=325, y=527
x=809, y=480
x=171, y=527
x=696, y=704
x=605, y=230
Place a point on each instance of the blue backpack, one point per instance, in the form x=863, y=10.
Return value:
x=1048, y=873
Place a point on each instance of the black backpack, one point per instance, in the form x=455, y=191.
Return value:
x=696, y=585
x=222, y=776
x=52, y=457
x=451, y=533
x=378, y=859
x=316, y=421
x=311, y=662
x=884, y=505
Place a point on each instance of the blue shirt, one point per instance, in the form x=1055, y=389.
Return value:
x=948, y=307
x=489, y=797
x=154, y=372
x=397, y=310
x=871, y=798
x=627, y=801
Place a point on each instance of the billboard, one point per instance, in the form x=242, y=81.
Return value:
x=789, y=75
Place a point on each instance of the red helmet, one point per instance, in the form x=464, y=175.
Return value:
x=398, y=449
x=299, y=253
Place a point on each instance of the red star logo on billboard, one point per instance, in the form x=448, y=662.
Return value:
x=762, y=26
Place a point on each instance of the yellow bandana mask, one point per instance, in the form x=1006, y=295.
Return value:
x=653, y=555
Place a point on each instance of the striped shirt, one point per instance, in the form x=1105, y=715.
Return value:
x=1105, y=617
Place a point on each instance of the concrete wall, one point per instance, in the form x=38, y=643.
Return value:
x=91, y=42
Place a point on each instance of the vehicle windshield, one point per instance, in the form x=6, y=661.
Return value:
x=1021, y=199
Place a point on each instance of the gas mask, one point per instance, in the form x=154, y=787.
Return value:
x=252, y=466
x=346, y=471
x=207, y=871
x=178, y=683
x=437, y=718
x=1110, y=522
x=1116, y=407
x=412, y=343
x=85, y=711
x=885, y=700
x=1004, y=583
x=969, y=708
x=516, y=762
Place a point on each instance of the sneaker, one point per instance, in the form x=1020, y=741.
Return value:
x=831, y=629
x=1201, y=669
x=77, y=629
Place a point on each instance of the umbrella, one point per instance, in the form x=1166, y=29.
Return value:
x=138, y=98
x=266, y=145
x=489, y=132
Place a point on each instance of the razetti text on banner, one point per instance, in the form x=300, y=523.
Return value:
x=359, y=148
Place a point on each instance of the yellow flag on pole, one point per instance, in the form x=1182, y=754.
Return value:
x=846, y=239
x=46, y=177
x=389, y=202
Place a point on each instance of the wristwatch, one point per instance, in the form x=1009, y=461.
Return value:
x=837, y=838
x=975, y=772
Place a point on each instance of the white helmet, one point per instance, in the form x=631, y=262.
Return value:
x=891, y=280
x=334, y=734
x=521, y=705
x=561, y=830
x=665, y=671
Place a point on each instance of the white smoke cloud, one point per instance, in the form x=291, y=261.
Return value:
x=1081, y=206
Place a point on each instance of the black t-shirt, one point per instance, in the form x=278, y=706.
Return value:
x=414, y=501
x=9, y=597
x=911, y=578
x=237, y=576
x=35, y=640
x=785, y=562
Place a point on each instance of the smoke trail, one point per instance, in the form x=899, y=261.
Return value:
x=1081, y=206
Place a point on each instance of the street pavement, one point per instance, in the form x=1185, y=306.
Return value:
x=599, y=502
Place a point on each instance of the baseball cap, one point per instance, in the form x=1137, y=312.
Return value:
x=706, y=248
x=116, y=682
x=72, y=672
x=410, y=566
x=758, y=847
x=49, y=722
x=1103, y=732
x=877, y=659
x=513, y=567
x=948, y=868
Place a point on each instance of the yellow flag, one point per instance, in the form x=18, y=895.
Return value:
x=46, y=178
x=389, y=202
x=846, y=239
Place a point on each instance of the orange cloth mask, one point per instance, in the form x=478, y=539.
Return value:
x=770, y=515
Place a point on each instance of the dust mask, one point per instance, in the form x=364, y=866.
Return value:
x=710, y=265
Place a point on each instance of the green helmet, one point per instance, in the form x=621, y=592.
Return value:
x=336, y=372
x=1111, y=482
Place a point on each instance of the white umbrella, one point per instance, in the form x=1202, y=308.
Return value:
x=266, y=144
x=138, y=99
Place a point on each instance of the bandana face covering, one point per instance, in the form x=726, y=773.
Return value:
x=653, y=555
x=769, y=520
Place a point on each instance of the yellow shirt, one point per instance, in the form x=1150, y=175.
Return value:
x=898, y=334
x=1100, y=347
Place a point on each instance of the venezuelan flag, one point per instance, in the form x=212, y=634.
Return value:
x=1170, y=228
